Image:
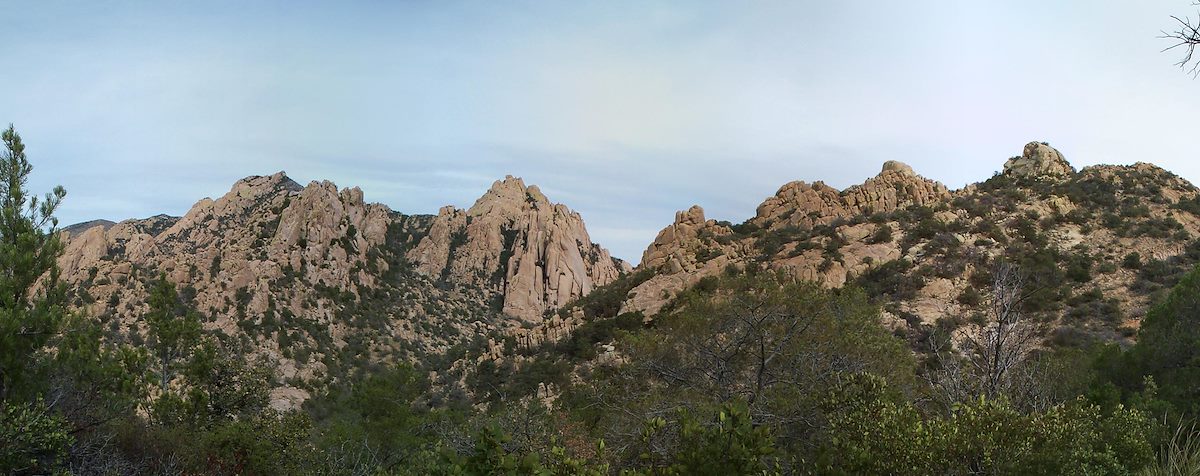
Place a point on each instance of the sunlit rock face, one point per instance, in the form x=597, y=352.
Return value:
x=1039, y=160
x=279, y=267
x=514, y=240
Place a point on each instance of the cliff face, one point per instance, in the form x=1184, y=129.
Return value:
x=248, y=239
x=311, y=277
x=1098, y=241
x=514, y=241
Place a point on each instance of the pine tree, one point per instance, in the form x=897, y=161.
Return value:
x=174, y=330
x=30, y=311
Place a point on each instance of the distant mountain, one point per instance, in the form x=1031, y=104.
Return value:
x=84, y=226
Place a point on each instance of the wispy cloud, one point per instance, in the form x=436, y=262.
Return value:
x=626, y=111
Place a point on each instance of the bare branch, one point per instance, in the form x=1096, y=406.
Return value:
x=1185, y=37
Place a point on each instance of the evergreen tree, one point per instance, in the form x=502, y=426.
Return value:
x=30, y=311
x=174, y=330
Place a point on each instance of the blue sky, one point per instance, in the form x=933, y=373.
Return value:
x=625, y=111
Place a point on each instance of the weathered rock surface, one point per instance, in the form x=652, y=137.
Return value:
x=692, y=247
x=807, y=205
x=941, y=238
x=1038, y=160
x=300, y=272
x=535, y=253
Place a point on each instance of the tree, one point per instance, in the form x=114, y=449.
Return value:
x=30, y=311
x=995, y=358
x=759, y=338
x=174, y=330
x=1186, y=36
x=1168, y=346
x=377, y=414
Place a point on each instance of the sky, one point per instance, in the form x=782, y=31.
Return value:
x=624, y=111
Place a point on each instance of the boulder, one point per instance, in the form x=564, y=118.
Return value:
x=1039, y=160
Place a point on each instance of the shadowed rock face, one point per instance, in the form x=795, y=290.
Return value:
x=536, y=254
x=78, y=228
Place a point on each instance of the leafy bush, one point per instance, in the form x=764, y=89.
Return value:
x=883, y=234
x=871, y=431
x=32, y=439
x=891, y=280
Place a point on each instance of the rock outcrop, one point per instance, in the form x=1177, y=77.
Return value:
x=807, y=205
x=284, y=267
x=692, y=248
x=240, y=244
x=936, y=240
x=536, y=254
x=1039, y=160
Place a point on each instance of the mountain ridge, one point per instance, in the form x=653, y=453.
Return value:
x=1102, y=213
x=314, y=279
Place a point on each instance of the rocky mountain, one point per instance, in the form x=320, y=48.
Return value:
x=1097, y=243
x=538, y=252
x=316, y=281
x=84, y=226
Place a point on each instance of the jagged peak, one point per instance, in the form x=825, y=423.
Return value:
x=509, y=187
x=510, y=193
x=277, y=181
x=694, y=215
x=1038, y=160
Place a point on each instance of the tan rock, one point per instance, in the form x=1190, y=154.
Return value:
x=1038, y=160
x=513, y=241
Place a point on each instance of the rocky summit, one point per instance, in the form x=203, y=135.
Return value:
x=537, y=254
x=284, y=267
x=1091, y=230
x=1039, y=160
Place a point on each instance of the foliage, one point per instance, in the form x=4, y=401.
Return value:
x=174, y=330
x=730, y=445
x=760, y=339
x=892, y=280
x=1178, y=456
x=30, y=312
x=870, y=431
x=32, y=439
x=1168, y=346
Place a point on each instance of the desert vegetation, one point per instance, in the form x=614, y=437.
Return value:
x=751, y=369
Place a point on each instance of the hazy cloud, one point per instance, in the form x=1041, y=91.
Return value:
x=625, y=111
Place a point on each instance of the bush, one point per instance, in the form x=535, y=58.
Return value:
x=32, y=440
x=970, y=297
x=883, y=234
x=1079, y=266
x=871, y=431
x=1132, y=261
x=1168, y=346
x=891, y=280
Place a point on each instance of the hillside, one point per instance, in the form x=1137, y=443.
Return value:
x=1100, y=242
x=320, y=283
x=359, y=337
